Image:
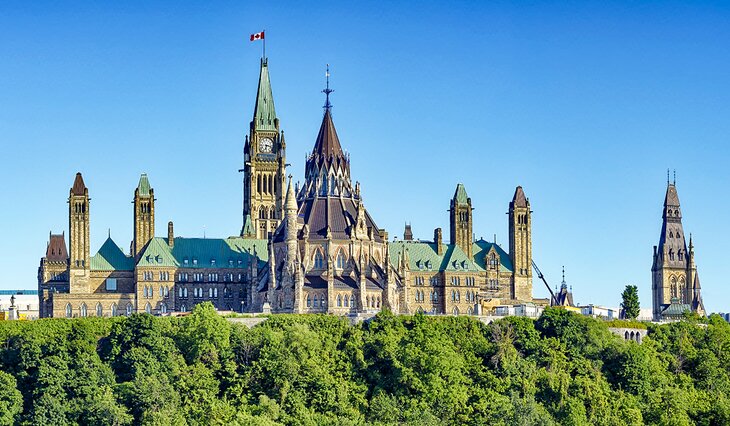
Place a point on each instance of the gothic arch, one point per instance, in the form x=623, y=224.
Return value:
x=318, y=258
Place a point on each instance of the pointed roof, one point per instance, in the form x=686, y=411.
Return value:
x=264, y=114
x=111, y=258
x=671, y=198
x=247, y=230
x=460, y=196
x=56, y=250
x=519, y=200
x=291, y=199
x=79, y=187
x=327, y=144
x=143, y=188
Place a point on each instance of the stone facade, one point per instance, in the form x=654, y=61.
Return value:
x=675, y=281
x=304, y=249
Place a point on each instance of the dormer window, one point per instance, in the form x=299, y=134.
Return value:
x=230, y=262
x=428, y=264
x=212, y=262
x=185, y=261
x=195, y=262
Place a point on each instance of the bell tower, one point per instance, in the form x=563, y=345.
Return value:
x=264, y=170
x=520, y=245
x=144, y=215
x=78, y=218
x=461, y=220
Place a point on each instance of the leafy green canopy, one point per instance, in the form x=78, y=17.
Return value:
x=320, y=370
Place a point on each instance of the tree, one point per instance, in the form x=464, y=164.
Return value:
x=630, y=304
x=11, y=401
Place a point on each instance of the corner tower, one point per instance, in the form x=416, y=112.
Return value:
x=520, y=245
x=674, y=274
x=144, y=215
x=78, y=224
x=264, y=165
x=460, y=215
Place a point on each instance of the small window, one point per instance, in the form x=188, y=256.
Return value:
x=99, y=310
x=83, y=311
x=69, y=311
x=185, y=261
x=111, y=284
x=195, y=262
x=114, y=309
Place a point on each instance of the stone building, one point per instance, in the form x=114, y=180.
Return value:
x=675, y=281
x=302, y=248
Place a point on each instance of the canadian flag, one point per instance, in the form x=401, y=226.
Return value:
x=257, y=36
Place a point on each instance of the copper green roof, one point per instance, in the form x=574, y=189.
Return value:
x=264, y=113
x=111, y=258
x=143, y=188
x=675, y=309
x=204, y=252
x=247, y=230
x=460, y=194
x=422, y=255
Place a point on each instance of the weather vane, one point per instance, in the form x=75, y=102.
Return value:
x=327, y=90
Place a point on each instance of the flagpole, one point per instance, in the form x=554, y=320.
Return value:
x=264, y=40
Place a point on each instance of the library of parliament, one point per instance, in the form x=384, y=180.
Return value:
x=310, y=248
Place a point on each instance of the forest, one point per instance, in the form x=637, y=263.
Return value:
x=201, y=369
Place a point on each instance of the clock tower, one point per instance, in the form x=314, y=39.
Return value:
x=264, y=169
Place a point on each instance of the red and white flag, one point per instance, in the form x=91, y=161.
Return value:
x=257, y=36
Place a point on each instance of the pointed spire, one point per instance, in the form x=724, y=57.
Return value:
x=264, y=114
x=671, y=198
x=79, y=188
x=519, y=199
x=291, y=200
x=327, y=144
x=327, y=105
x=143, y=187
x=563, y=284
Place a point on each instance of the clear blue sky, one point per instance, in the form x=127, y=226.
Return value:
x=585, y=105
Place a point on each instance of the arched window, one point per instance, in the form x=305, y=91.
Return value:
x=378, y=303
x=309, y=301
x=456, y=310
x=99, y=310
x=69, y=311
x=148, y=308
x=469, y=310
x=671, y=254
x=258, y=183
x=318, y=259
x=163, y=308
x=183, y=308
x=83, y=311
x=114, y=309
x=340, y=260
x=367, y=301
x=339, y=301
x=347, y=304
x=322, y=301
x=352, y=301
x=316, y=299
x=129, y=309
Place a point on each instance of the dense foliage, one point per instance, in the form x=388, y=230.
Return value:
x=318, y=370
x=630, y=302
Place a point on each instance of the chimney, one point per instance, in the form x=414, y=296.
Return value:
x=438, y=240
x=170, y=235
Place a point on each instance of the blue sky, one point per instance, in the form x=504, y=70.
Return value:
x=585, y=105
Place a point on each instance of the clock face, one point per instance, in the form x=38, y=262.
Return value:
x=266, y=144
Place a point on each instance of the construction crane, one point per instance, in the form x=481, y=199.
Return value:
x=553, y=301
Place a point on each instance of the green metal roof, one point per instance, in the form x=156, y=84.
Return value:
x=423, y=256
x=204, y=252
x=676, y=309
x=460, y=194
x=111, y=258
x=264, y=114
x=144, y=185
x=248, y=230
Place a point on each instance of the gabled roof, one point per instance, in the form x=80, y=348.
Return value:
x=78, y=187
x=143, y=188
x=56, y=250
x=422, y=255
x=675, y=309
x=111, y=258
x=264, y=114
x=204, y=252
x=327, y=144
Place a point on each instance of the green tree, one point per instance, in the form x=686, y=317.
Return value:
x=11, y=400
x=630, y=302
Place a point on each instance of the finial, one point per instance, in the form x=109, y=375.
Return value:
x=563, y=272
x=327, y=90
x=667, y=176
x=675, y=177
x=109, y=232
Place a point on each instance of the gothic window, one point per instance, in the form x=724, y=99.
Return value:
x=114, y=309
x=185, y=292
x=378, y=303
x=318, y=259
x=367, y=301
x=453, y=296
x=671, y=254
x=309, y=301
x=129, y=309
x=99, y=310
x=352, y=300
x=148, y=308
x=183, y=308
x=469, y=311
x=339, y=301
x=316, y=299
x=456, y=310
x=676, y=213
x=340, y=260
x=82, y=310
x=322, y=301
x=671, y=235
x=163, y=308
x=347, y=304
x=69, y=312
